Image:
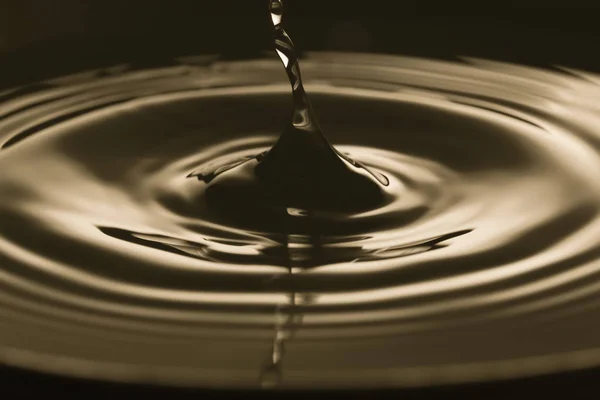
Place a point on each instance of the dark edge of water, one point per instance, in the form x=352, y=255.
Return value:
x=19, y=383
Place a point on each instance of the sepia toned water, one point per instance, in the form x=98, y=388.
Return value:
x=137, y=245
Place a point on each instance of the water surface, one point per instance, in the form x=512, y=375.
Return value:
x=481, y=264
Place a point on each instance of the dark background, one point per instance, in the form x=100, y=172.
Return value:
x=46, y=38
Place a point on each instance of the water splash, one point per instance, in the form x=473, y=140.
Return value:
x=302, y=170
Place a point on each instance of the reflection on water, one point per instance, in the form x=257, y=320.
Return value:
x=481, y=263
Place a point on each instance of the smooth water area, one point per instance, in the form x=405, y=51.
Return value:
x=481, y=263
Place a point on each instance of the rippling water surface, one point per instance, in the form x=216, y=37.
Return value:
x=483, y=264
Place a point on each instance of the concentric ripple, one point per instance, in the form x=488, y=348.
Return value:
x=483, y=264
